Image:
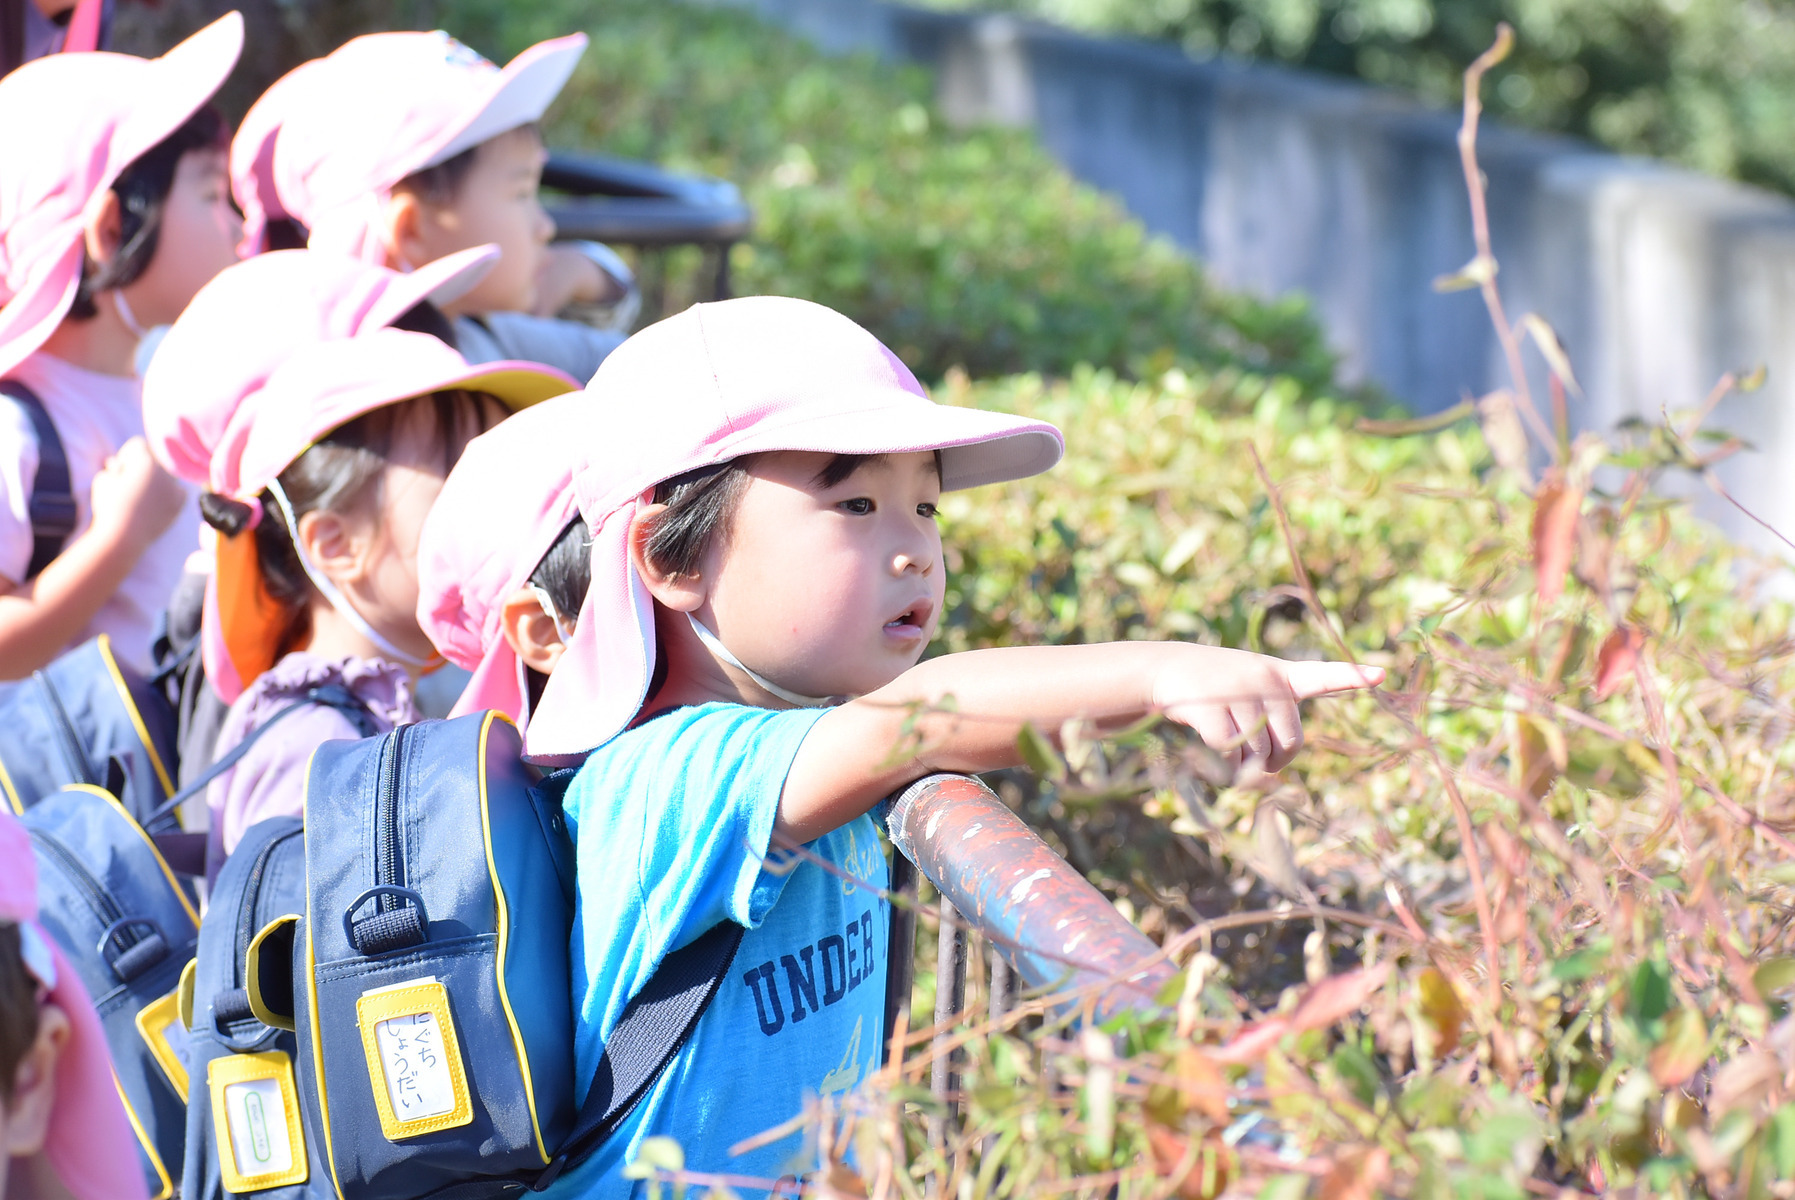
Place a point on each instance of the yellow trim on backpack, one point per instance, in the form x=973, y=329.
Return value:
x=143, y=1143
x=143, y=733
x=311, y=991
x=12, y=793
x=425, y=997
x=498, y=890
x=173, y=884
x=184, y=991
x=153, y=1023
x=230, y=1070
x=252, y=976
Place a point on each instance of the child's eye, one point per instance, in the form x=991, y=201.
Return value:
x=925, y=509
x=860, y=506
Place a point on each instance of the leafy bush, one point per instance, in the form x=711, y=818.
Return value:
x=959, y=249
x=1708, y=83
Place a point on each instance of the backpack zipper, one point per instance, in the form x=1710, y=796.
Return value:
x=71, y=740
x=389, y=862
x=98, y=902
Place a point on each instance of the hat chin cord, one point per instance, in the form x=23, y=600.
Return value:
x=715, y=645
x=336, y=598
x=127, y=316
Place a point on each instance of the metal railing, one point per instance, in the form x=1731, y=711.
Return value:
x=1045, y=926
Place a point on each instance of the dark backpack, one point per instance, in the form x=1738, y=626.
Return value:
x=246, y=1125
x=128, y=927
x=435, y=1017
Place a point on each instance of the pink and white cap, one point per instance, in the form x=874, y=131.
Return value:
x=251, y=319
x=500, y=511
x=69, y=126
x=710, y=385
x=90, y=1144
x=326, y=386
x=252, y=153
x=387, y=105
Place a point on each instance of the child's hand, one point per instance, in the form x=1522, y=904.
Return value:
x=134, y=497
x=570, y=276
x=1244, y=706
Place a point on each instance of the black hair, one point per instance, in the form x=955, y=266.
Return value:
x=18, y=1009
x=284, y=233
x=142, y=189
x=341, y=472
x=425, y=317
x=441, y=184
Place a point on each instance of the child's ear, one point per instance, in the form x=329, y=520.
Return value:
x=104, y=229
x=337, y=545
x=27, y=1121
x=401, y=228
x=682, y=593
x=530, y=632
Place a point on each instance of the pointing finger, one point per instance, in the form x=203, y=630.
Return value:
x=1309, y=679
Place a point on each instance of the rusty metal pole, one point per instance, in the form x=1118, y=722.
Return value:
x=1056, y=930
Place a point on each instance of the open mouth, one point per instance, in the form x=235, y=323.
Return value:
x=913, y=619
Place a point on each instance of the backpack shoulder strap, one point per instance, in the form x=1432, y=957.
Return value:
x=329, y=695
x=52, y=504
x=653, y=1028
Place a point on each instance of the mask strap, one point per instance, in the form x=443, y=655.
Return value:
x=337, y=600
x=715, y=645
x=563, y=626
x=127, y=316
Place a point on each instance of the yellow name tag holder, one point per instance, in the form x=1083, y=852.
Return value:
x=160, y=1025
x=255, y=1115
x=414, y=1059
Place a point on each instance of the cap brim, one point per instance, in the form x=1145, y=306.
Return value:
x=496, y=684
x=176, y=86
x=441, y=282
x=521, y=93
x=517, y=385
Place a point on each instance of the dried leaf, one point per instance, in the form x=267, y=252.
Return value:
x=1546, y=338
x=1475, y=273
x=1341, y=996
x=1442, y=1008
x=1504, y=434
x=843, y=1181
x=1204, y=1171
x=1754, y=379
x=1538, y=754
x=1743, y=1083
x=1617, y=660
x=1683, y=1050
x=1556, y=509
x=1356, y=1175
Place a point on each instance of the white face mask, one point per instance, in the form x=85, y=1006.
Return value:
x=336, y=598
x=715, y=645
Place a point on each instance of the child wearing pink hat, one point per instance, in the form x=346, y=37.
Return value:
x=322, y=457
x=400, y=148
x=759, y=480
x=63, y=1131
x=114, y=210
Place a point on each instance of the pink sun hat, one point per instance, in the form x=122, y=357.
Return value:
x=90, y=1145
x=500, y=511
x=253, y=317
x=326, y=386
x=252, y=153
x=69, y=126
x=712, y=384
x=387, y=105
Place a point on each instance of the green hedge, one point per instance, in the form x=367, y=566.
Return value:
x=1707, y=83
x=959, y=249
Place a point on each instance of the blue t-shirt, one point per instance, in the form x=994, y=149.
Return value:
x=672, y=823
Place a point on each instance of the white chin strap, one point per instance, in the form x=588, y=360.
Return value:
x=127, y=316
x=337, y=600
x=715, y=645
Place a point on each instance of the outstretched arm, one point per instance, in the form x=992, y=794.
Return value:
x=870, y=747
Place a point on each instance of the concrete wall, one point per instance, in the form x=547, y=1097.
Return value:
x=1657, y=280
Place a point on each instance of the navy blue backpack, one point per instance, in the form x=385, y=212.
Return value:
x=246, y=1128
x=128, y=927
x=435, y=1019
